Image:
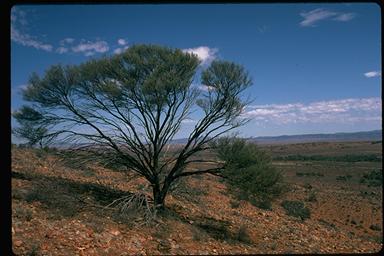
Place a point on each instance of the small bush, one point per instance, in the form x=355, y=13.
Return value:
x=18, y=194
x=216, y=229
x=25, y=214
x=313, y=174
x=296, y=209
x=248, y=171
x=262, y=204
x=312, y=197
x=242, y=235
x=197, y=235
x=375, y=227
x=34, y=250
x=344, y=177
x=234, y=204
x=373, y=178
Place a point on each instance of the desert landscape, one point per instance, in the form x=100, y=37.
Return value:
x=59, y=210
x=190, y=129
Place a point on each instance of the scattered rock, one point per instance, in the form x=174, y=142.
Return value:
x=18, y=243
x=115, y=232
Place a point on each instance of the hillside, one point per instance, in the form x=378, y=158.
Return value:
x=58, y=210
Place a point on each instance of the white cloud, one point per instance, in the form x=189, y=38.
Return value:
x=122, y=41
x=189, y=121
x=66, y=45
x=316, y=15
x=345, y=17
x=67, y=40
x=18, y=25
x=205, y=88
x=120, y=50
x=89, y=48
x=204, y=53
x=27, y=40
x=334, y=111
x=372, y=74
x=62, y=50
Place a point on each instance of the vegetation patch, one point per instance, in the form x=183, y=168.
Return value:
x=296, y=209
x=344, y=177
x=343, y=158
x=216, y=229
x=243, y=236
x=312, y=197
x=22, y=213
x=248, y=171
x=373, y=178
x=313, y=174
x=375, y=227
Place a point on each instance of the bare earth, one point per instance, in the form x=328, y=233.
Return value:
x=57, y=210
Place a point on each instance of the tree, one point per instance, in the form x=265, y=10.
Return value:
x=31, y=129
x=128, y=107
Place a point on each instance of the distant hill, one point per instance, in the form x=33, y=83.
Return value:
x=375, y=135
x=287, y=139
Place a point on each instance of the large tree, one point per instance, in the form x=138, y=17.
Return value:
x=128, y=108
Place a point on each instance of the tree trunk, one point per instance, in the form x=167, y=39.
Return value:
x=158, y=197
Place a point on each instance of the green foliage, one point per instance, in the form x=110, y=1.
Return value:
x=264, y=204
x=31, y=127
x=296, y=209
x=248, y=170
x=236, y=80
x=373, y=178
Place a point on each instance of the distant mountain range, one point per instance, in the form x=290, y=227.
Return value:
x=351, y=136
x=287, y=139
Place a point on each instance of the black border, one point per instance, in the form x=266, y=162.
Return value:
x=5, y=95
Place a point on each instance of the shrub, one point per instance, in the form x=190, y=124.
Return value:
x=312, y=197
x=315, y=174
x=262, y=204
x=242, y=235
x=296, y=209
x=248, y=171
x=375, y=227
x=234, y=204
x=373, y=178
x=216, y=229
x=25, y=214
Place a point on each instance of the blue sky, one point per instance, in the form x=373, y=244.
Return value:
x=316, y=68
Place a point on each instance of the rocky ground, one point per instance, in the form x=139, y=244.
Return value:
x=58, y=210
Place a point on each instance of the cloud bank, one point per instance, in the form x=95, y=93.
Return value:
x=18, y=21
x=334, y=111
